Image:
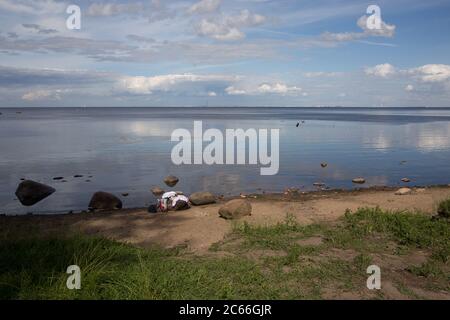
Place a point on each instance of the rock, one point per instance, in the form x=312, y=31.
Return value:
x=236, y=209
x=78, y=176
x=171, y=181
x=324, y=165
x=318, y=184
x=202, y=198
x=406, y=180
x=359, y=180
x=104, y=201
x=157, y=191
x=403, y=191
x=30, y=192
x=58, y=178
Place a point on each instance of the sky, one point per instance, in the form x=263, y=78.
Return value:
x=225, y=53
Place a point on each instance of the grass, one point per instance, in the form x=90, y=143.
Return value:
x=254, y=262
x=444, y=208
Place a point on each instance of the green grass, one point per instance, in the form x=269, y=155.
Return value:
x=444, y=208
x=261, y=262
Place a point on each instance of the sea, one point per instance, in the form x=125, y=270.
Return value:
x=128, y=151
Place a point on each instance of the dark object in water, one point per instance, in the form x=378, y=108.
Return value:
x=406, y=180
x=30, y=192
x=58, y=178
x=324, y=165
x=298, y=123
x=152, y=209
x=78, y=176
x=125, y=194
x=359, y=180
x=104, y=201
x=171, y=181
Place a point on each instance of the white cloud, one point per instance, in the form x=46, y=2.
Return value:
x=147, y=85
x=381, y=70
x=277, y=88
x=385, y=30
x=228, y=27
x=205, y=6
x=264, y=88
x=43, y=95
x=432, y=72
x=232, y=91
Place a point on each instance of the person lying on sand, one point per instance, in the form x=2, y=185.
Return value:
x=170, y=201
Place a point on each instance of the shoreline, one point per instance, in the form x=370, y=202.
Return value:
x=200, y=227
x=289, y=194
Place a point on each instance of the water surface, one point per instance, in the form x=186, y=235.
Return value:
x=128, y=150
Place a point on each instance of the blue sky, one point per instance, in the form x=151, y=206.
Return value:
x=225, y=53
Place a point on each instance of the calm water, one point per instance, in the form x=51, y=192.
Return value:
x=128, y=150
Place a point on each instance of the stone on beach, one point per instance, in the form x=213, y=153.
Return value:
x=104, y=201
x=171, y=181
x=30, y=192
x=157, y=191
x=359, y=180
x=403, y=191
x=236, y=209
x=202, y=198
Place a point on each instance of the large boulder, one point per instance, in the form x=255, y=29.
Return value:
x=30, y=192
x=171, y=181
x=104, y=201
x=236, y=209
x=157, y=191
x=202, y=198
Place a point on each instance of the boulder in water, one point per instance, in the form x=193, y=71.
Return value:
x=30, y=192
x=171, y=181
x=202, y=198
x=104, y=201
x=359, y=180
x=157, y=191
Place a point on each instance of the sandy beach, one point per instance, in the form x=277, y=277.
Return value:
x=200, y=227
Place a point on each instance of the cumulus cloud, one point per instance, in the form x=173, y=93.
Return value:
x=229, y=27
x=264, y=88
x=205, y=6
x=43, y=95
x=426, y=73
x=381, y=70
x=277, y=88
x=432, y=72
x=147, y=85
x=385, y=30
